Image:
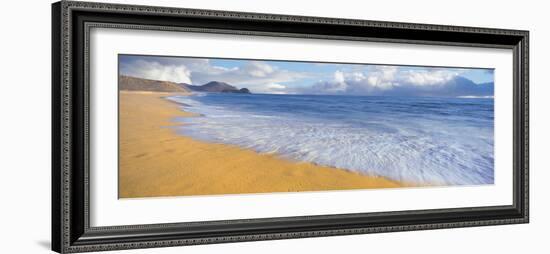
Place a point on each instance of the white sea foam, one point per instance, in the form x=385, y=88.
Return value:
x=457, y=150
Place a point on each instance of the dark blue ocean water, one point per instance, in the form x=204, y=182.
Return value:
x=422, y=140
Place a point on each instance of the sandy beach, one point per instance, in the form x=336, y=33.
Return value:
x=155, y=161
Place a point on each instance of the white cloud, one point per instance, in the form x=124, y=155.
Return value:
x=254, y=75
x=273, y=88
x=339, y=83
x=384, y=80
x=259, y=69
x=434, y=77
x=276, y=86
x=382, y=77
x=339, y=77
x=263, y=77
x=257, y=76
x=157, y=71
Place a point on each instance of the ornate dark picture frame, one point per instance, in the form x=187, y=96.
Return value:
x=71, y=22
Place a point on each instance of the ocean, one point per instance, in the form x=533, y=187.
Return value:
x=418, y=140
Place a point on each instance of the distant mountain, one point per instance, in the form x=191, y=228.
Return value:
x=455, y=87
x=215, y=87
x=139, y=84
x=460, y=86
x=487, y=88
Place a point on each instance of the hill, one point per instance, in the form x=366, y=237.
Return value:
x=215, y=87
x=128, y=83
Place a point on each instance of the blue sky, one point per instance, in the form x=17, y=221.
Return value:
x=287, y=77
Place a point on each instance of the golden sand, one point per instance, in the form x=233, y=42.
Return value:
x=155, y=161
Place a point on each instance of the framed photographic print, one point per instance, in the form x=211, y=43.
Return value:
x=181, y=126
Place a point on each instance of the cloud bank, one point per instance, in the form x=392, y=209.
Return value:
x=312, y=78
x=258, y=76
x=399, y=81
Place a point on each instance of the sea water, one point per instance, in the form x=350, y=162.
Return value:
x=419, y=140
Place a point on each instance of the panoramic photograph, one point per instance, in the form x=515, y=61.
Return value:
x=215, y=126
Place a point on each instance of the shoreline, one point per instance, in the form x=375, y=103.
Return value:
x=155, y=161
